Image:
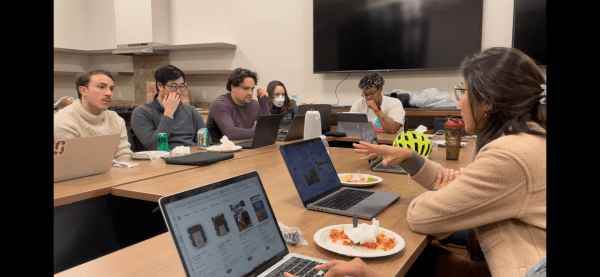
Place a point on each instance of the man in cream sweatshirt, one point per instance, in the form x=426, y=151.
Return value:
x=89, y=116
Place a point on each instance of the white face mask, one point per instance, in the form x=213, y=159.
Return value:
x=278, y=102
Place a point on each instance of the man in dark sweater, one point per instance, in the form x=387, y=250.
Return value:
x=166, y=114
x=234, y=114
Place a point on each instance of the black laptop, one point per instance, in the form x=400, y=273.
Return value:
x=265, y=132
x=296, y=130
x=320, y=187
x=228, y=228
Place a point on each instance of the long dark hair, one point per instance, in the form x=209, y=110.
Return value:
x=287, y=103
x=511, y=81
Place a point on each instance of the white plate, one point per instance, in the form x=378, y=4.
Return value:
x=357, y=184
x=217, y=148
x=322, y=239
x=145, y=155
x=443, y=143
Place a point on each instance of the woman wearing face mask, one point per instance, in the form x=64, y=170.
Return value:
x=280, y=103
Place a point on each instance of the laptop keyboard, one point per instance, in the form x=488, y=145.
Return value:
x=298, y=267
x=345, y=199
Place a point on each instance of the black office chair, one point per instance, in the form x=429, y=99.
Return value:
x=136, y=144
x=405, y=124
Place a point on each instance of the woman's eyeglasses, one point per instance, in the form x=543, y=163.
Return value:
x=459, y=92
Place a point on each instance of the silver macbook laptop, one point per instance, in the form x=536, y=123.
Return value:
x=349, y=123
x=79, y=157
x=367, y=134
x=296, y=130
x=228, y=228
x=320, y=187
x=265, y=132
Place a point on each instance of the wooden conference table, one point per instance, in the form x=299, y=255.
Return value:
x=158, y=257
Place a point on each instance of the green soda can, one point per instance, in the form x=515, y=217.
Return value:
x=163, y=142
x=203, y=138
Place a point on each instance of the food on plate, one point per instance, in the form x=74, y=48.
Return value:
x=350, y=178
x=226, y=144
x=367, y=236
x=384, y=242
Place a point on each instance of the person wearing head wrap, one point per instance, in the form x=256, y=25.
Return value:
x=386, y=113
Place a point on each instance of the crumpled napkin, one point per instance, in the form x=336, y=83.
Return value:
x=180, y=151
x=124, y=164
x=292, y=235
x=364, y=233
x=226, y=144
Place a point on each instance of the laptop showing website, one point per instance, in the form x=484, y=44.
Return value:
x=265, y=132
x=320, y=187
x=228, y=228
x=296, y=130
x=367, y=134
x=80, y=157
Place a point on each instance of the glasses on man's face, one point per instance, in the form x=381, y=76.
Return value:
x=175, y=87
x=365, y=95
x=459, y=92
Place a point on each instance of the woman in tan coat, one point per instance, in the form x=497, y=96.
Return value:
x=502, y=193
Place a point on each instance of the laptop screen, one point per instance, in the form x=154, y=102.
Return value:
x=310, y=167
x=367, y=133
x=224, y=229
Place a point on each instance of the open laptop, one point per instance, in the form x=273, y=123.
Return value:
x=349, y=123
x=368, y=134
x=265, y=132
x=228, y=228
x=324, y=112
x=296, y=130
x=320, y=187
x=80, y=157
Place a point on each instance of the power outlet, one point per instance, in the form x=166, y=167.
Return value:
x=203, y=95
x=119, y=94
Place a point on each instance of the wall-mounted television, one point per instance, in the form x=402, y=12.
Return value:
x=529, y=29
x=394, y=35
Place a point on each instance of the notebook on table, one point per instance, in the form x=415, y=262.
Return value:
x=265, y=132
x=320, y=187
x=368, y=134
x=296, y=130
x=228, y=228
x=80, y=157
x=349, y=123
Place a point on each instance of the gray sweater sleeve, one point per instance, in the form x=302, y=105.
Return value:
x=142, y=123
x=413, y=164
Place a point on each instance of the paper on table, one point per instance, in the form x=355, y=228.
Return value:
x=124, y=164
x=421, y=129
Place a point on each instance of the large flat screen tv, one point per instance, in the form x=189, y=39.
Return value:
x=394, y=35
x=529, y=29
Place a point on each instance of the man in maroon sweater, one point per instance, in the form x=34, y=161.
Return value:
x=234, y=114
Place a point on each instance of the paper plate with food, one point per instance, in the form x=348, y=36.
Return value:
x=359, y=180
x=364, y=241
x=225, y=146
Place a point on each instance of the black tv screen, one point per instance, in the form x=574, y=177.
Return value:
x=529, y=29
x=394, y=35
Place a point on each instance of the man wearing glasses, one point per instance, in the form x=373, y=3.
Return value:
x=386, y=113
x=166, y=114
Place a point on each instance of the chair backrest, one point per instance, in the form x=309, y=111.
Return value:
x=405, y=124
x=151, y=91
x=136, y=144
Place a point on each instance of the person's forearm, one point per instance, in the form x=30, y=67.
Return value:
x=413, y=164
x=388, y=124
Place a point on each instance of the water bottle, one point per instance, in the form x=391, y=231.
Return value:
x=295, y=97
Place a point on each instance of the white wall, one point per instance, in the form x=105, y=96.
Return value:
x=273, y=38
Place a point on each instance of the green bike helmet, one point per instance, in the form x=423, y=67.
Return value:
x=415, y=141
